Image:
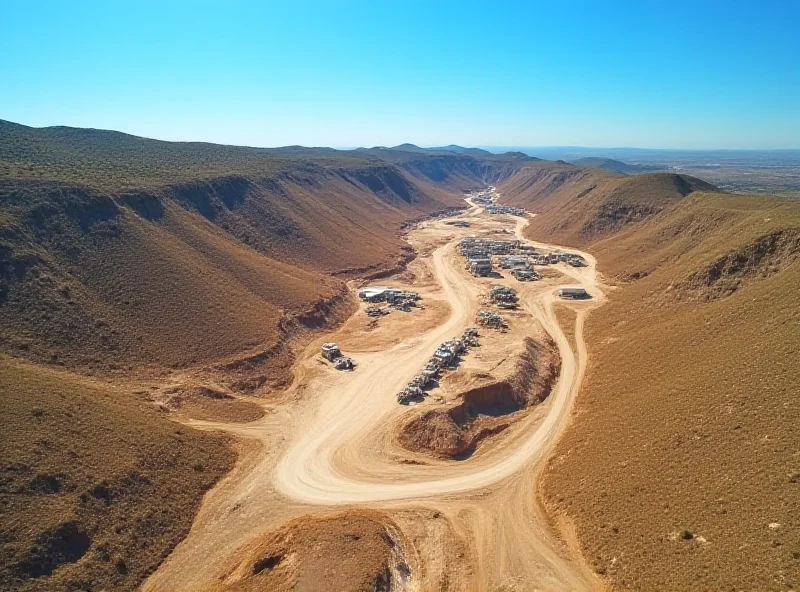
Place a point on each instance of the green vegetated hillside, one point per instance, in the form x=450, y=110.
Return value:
x=123, y=259
x=681, y=468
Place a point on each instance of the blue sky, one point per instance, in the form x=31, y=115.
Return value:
x=668, y=74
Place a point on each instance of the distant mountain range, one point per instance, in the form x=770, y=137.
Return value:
x=463, y=150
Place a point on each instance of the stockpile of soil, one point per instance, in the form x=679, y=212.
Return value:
x=354, y=550
x=455, y=431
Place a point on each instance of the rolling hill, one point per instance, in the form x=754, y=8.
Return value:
x=127, y=249
x=462, y=150
x=126, y=263
x=683, y=446
x=615, y=166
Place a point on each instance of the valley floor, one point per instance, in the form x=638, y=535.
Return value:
x=326, y=456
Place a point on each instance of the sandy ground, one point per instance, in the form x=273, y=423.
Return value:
x=474, y=524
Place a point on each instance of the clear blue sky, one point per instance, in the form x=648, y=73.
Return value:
x=667, y=74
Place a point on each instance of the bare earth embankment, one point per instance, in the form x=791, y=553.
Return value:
x=455, y=430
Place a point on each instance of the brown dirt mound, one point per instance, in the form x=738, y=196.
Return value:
x=456, y=431
x=354, y=551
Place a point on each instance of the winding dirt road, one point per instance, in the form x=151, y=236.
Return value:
x=316, y=470
x=330, y=460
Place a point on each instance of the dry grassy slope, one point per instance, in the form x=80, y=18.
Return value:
x=687, y=419
x=199, y=261
x=95, y=489
x=118, y=252
x=575, y=205
x=88, y=282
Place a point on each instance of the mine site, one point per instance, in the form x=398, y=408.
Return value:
x=353, y=296
x=427, y=414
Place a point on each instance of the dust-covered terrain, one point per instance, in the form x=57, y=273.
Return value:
x=171, y=424
x=345, y=441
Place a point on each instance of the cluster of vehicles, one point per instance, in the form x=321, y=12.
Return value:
x=485, y=197
x=331, y=352
x=504, y=297
x=553, y=258
x=495, y=209
x=445, y=356
x=491, y=319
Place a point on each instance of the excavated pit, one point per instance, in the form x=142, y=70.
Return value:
x=455, y=431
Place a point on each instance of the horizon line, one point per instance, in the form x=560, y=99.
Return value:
x=487, y=147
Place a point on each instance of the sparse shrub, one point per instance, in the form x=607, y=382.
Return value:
x=101, y=491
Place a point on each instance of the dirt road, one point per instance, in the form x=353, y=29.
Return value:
x=329, y=455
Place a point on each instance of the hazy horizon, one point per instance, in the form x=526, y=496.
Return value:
x=497, y=149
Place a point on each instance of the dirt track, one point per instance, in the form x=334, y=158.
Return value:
x=331, y=453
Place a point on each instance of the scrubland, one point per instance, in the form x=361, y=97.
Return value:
x=680, y=468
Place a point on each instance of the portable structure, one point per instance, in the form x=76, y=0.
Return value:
x=573, y=292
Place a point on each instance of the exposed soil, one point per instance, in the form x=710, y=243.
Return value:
x=327, y=441
x=566, y=318
x=206, y=403
x=760, y=259
x=353, y=551
x=455, y=430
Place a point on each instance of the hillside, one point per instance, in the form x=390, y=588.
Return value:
x=133, y=269
x=119, y=250
x=615, y=166
x=576, y=205
x=683, y=445
x=96, y=489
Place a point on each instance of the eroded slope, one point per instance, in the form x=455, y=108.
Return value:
x=680, y=469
